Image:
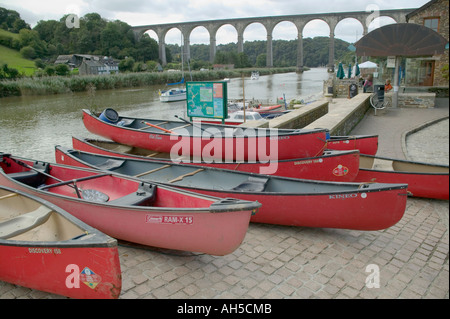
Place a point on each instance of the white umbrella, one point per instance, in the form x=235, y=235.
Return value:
x=367, y=65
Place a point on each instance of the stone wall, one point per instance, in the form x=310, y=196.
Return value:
x=346, y=125
x=340, y=87
x=413, y=100
x=301, y=117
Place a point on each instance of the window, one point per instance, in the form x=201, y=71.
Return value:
x=432, y=23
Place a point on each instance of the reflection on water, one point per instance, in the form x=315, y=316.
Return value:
x=32, y=126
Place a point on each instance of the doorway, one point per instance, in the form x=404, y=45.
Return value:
x=427, y=75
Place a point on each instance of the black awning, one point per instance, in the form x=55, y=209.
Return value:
x=401, y=39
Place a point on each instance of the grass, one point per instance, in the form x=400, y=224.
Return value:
x=9, y=34
x=14, y=60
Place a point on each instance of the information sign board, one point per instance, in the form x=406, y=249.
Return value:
x=207, y=99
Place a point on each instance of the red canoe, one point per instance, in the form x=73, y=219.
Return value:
x=366, y=144
x=339, y=166
x=45, y=248
x=207, y=141
x=285, y=201
x=423, y=179
x=265, y=108
x=134, y=211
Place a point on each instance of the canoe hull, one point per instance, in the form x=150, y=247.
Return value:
x=71, y=272
x=363, y=207
x=423, y=179
x=420, y=185
x=240, y=146
x=43, y=247
x=338, y=166
x=366, y=144
x=357, y=211
x=185, y=222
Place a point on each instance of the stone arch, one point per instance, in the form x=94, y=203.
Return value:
x=379, y=22
x=354, y=26
x=199, y=35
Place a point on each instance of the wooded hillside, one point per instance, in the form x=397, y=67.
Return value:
x=98, y=36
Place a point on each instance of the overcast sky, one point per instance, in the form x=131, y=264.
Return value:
x=145, y=12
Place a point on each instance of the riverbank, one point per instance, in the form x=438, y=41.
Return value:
x=66, y=84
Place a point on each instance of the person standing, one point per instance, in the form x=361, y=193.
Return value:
x=368, y=84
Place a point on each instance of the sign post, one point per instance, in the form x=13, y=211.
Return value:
x=207, y=100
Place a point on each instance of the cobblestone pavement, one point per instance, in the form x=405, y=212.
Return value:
x=410, y=257
x=421, y=145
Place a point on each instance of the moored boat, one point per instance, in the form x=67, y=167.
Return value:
x=340, y=166
x=45, y=248
x=207, y=140
x=285, y=201
x=423, y=179
x=265, y=108
x=173, y=95
x=129, y=209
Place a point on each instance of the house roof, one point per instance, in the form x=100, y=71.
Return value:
x=93, y=63
x=63, y=59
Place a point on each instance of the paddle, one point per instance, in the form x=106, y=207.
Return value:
x=158, y=127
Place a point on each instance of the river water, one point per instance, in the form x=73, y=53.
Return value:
x=30, y=126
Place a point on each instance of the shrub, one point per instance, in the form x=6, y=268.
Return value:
x=28, y=52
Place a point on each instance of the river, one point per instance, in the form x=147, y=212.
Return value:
x=30, y=126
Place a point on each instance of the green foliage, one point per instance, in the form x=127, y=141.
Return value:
x=126, y=65
x=98, y=36
x=62, y=69
x=10, y=20
x=28, y=52
x=62, y=84
x=8, y=73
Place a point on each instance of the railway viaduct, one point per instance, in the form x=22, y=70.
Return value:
x=269, y=23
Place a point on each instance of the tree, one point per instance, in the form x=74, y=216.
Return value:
x=10, y=20
x=8, y=73
x=261, y=60
x=28, y=52
x=50, y=70
x=62, y=69
x=126, y=65
x=30, y=38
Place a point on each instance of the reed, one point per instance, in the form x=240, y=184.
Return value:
x=76, y=83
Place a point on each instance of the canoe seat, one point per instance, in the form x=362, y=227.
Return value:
x=126, y=122
x=252, y=184
x=23, y=223
x=110, y=164
x=382, y=164
x=145, y=195
x=32, y=177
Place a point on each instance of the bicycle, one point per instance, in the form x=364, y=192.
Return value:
x=378, y=101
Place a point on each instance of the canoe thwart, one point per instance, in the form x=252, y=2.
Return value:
x=179, y=178
x=32, y=177
x=152, y=170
